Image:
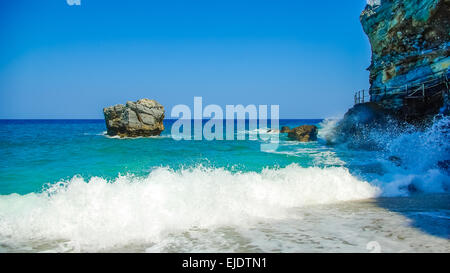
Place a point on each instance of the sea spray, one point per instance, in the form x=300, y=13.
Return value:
x=409, y=156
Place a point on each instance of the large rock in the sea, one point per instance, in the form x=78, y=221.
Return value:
x=135, y=119
x=410, y=46
x=304, y=133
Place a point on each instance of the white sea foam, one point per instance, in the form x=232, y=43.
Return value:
x=98, y=214
x=148, y=137
x=419, y=154
x=319, y=156
x=327, y=129
x=95, y=134
x=258, y=134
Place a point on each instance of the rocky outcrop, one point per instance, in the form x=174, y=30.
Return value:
x=363, y=116
x=361, y=124
x=285, y=129
x=410, y=46
x=304, y=133
x=135, y=119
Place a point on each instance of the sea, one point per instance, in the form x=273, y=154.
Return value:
x=65, y=186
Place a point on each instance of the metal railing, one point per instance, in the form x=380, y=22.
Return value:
x=362, y=96
x=424, y=87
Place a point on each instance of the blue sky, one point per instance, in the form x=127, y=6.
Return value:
x=62, y=61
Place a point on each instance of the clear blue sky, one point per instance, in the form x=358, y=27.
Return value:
x=61, y=61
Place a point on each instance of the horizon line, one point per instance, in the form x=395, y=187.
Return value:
x=3, y=119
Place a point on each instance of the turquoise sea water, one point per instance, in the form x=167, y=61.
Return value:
x=66, y=186
x=36, y=152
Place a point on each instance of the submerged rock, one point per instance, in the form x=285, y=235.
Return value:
x=304, y=133
x=135, y=119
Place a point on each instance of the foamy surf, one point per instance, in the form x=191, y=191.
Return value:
x=99, y=214
x=148, y=137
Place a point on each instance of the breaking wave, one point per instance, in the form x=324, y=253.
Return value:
x=98, y=214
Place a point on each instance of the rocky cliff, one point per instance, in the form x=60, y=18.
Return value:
x=409, y=69
x=410, y=54
x=134, y=119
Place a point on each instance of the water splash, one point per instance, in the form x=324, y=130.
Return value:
x=410, y=159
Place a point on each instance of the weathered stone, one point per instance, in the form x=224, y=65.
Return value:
x=142, y=118
x=304, y=133
x=285, y=129
x=409, y=40
x=410, y=60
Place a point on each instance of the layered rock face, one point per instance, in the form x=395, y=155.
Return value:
x=410, y=47
x=135, y=119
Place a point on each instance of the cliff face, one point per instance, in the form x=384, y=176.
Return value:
x=410, y=45
x=409, y=71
